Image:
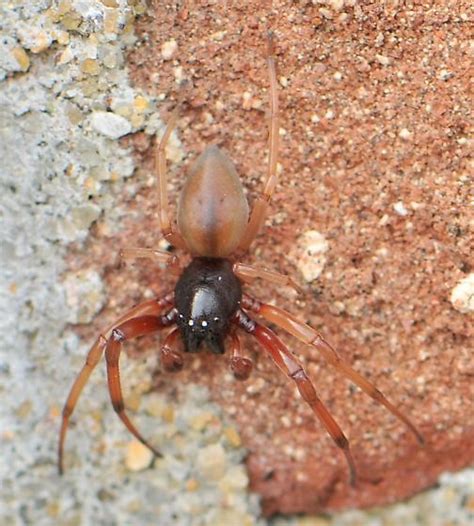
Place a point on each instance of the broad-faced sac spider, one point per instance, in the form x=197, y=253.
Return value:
x=207, y=304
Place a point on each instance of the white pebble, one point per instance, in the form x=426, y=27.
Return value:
x=404, y=134
x=138, y=456
x=110, y=124
x=462, y=295
x=168, y=49
x=310, y=254
x=400, y=208
x=211, y=462
x=383, y=60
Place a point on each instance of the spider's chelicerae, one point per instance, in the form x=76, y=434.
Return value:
x=207, y=304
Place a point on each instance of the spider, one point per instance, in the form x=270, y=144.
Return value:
x=208, y=304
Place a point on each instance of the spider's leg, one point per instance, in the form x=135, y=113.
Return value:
x=310, y=336
x=151, y=307
x=160, y=256
x=170, y=234
x=289, y=365
x=248, y=273
x=259, y=211
x=133, y=328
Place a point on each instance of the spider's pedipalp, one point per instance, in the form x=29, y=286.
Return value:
x=240, y=365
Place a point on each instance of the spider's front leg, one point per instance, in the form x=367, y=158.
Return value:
x=148, y=308
x=130, y=329
x=309, y=336
x=290, y=366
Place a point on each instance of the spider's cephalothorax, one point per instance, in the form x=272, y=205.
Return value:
x=207, y=295
x=207, y=305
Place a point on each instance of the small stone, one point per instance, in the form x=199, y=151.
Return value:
x=42, y=41
x=400, y=209
x=90, y=66
x=192, y=485
x=236, y=478
x=64, y=6
x=154, y=405
x=310, y=254
x=202, y=420
x=168, y=414
x=218, y=36
x=74, y=115
x=462, y=295
x=168, y=49
x=337, y=5
x=405, y=134
x=72, y=21
x=326, y=13
x=110, y=22
x=65, y=57
x=444, y=74
x=22, y=58
x=383, y=60
x=24, y=409
x=211, y=462
x=140, y=103
x=110, y=124
x=53, y=509
x=138, y=456
x=232, y=436
x=83, y=216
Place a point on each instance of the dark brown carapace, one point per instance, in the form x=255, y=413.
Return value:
x=207, y=305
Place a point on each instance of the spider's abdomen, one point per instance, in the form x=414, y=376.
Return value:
x=212, y=209
x=207, y=295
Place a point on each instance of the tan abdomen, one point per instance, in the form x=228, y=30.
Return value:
x=212, y=209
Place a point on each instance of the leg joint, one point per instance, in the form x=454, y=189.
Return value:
x=118, y=406
x=341, y=442
x=299, y=374
x=245, y=322
x=118, y=335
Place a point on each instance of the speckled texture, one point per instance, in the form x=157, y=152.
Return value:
x=450, y=504
x=65, y=98
x=374, y=157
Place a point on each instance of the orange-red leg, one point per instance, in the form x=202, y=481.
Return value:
x=170, y=234
x=249, y=273
x=125, y=331
x=289, y=365
x=308, y=335
x=259, y=211
x=160, y=256
x=151, y=307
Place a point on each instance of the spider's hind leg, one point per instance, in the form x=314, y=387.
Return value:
x=289, y=365
x=310, y=336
